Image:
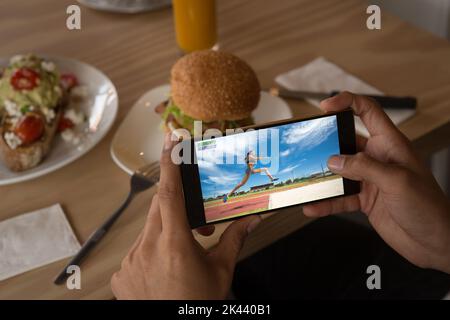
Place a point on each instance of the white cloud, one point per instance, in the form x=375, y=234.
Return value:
x=306, y=135
x=223, y=179
x=285, y=153
x=207, y=165
x=289, y=169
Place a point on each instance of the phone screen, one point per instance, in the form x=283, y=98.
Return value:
x=269, y=168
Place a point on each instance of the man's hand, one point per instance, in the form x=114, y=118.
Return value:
x=166, y=262
x=401, y=198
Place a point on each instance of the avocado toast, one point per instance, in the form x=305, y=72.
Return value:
x=31, y=103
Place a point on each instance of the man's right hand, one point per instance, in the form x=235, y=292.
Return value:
x=400, y=196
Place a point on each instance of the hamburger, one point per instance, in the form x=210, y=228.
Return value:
x=214, y=87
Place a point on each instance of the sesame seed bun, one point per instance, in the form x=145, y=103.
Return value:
x=213, y=85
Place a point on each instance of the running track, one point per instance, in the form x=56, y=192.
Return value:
x=238, y=206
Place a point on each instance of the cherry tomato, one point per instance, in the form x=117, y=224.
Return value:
x=30, y=128
x=24, y=79
x=64, y=124
x=69, y=80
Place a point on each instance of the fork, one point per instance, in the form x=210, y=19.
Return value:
x=141, y=180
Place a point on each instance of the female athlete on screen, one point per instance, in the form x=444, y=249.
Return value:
x=250, y=160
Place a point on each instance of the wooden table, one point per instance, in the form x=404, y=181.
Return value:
x=137, y=51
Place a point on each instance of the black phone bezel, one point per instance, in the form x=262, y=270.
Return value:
x=191, y=177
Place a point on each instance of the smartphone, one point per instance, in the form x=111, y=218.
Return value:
x=260, y=169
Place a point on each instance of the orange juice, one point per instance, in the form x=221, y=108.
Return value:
x=195, y=24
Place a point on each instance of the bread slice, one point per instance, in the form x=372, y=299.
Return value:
x=27, y=157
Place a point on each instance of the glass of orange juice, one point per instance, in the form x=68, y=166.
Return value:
x=195, y=24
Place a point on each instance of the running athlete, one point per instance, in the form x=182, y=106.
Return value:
x=250, y=160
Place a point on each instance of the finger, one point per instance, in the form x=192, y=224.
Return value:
x=138, y=241
x=360, y=167
x=232, y=240
x=332, y=206
x=361, y=142
x=170, y=192
x=372, y=115
x=206, y=230
x=134, y=251
x=153, y=223
x=114, y=284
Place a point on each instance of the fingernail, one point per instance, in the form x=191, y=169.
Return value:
x=336, y=162
x=252, y=225
x=167, y=141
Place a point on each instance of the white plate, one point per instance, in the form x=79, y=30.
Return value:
x=138, y=140
x=100, y=107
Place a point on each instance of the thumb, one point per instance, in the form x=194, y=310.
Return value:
x=360, y=167
x=232, y=240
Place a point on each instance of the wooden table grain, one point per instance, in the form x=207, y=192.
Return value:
x=137, y=51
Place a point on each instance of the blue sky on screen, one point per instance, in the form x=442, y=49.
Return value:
x=303, y=149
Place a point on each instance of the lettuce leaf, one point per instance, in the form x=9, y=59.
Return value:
x=184, y=120
x=188, y=123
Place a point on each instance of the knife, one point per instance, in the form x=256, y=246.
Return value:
x=387, y=102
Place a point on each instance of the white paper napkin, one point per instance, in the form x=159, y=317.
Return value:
x=321, y=75
x=35, y=239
